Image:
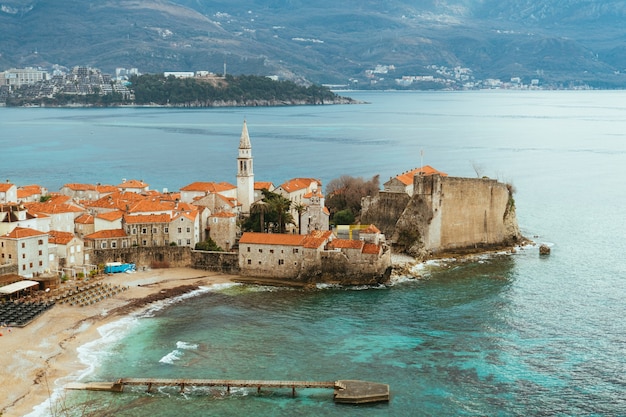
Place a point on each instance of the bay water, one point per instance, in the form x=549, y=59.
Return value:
x=502, y=335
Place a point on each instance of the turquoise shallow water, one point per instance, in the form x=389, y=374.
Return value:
x=508, y=336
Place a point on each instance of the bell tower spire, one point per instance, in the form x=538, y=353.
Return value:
x=245, y=173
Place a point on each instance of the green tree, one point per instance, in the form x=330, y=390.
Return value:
x=210, y=245
x=300, y=208
x=344, y=217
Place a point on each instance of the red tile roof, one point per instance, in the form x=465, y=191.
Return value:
x=371, y=249
x=407, y=177
x=208, y=187
x=346, y=244
x=296, y=184
x=28, y=190
x=272, y=239
x=22, y=232
x=371, y=229
x=260, y=185
x=5, y=186
x=223, y=214
x=316, y=239
x=111, y=215
x=84, y=219
x=147, y=218
x=132, y=184
x=107, y=234
x=60, y=238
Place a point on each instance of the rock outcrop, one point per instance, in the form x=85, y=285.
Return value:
x=446, y=215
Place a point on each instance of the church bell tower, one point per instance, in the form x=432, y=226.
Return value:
x=245, y=174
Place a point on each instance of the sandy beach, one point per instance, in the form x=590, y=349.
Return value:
x=37, y=355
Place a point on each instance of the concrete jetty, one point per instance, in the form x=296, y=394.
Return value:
x=345, y=391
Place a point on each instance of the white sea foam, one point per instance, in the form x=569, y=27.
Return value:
x=91, y=354
x=186, y=346
x=171, y=357
x=160, y=305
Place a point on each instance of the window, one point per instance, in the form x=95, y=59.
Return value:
x=23, y=245
x=154, y=230
x=167, y=242
x=271, y=250
x=260, y=250
x=40, y=253
x=103, y=245
x=3, y=255
x=113, y=245
x=188, y=229
x=10, y=256
x=144, y=242
x=281, y=262
x=166, y=229
x=23, y=267
x=40, y=242
x=180, y=242
x=124, y=243
x=31, y=265
x=180, y=230
x=23, y=256
x=248, y=248
x=40, y=263
x=189, y=241
x=77, y=248
x=295, y=250
x=134, y=231
x=144, y=230
x=249, y=261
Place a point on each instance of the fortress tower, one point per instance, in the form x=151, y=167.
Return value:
x=245, y=174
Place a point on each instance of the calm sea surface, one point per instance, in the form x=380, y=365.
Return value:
x=504, y=336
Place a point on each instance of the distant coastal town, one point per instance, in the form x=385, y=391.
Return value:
x=87, y=86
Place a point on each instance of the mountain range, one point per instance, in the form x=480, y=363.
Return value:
x=562, y=43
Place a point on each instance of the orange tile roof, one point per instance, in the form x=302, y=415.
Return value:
x=371, y=249
x=260, y=185
x=223, y=214
x=118, y=200
x=296, y=184
x=346, y=244
x=272, y=239
x=149, y=205
x=28, y=190
x=318, y=193
x=5, y=186
x=208, y=187
x=191, y=215
x=60, y=238
x=407, y=177
x=79, y=187
x=147, y=218
x=132, y=184
x=84, y=219
x=52, y=208
x=103, y=189
x=107, y=234
x=22, y=232
x=316, y=239
x=371, y=229
x=111, y=215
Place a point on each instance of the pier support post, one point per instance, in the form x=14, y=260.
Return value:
x=149, y=386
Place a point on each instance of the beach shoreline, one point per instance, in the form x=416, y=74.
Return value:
x=46, y=350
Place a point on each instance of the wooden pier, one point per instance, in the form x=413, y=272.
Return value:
x=346, y=391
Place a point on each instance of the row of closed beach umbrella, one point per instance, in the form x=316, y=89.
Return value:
x=89, y=294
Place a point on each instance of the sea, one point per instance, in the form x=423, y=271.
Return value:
x=506, y=334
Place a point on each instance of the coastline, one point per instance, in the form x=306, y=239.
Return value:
x=46, y=350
